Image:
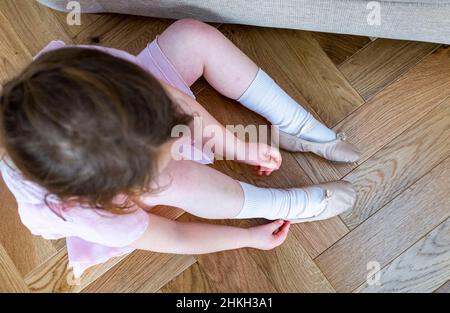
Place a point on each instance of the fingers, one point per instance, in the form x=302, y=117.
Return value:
x=268, y=166
x=269, y=160
x=284, y=229
x=273, y=234
x=264, y=171
x=275, y=159
x=275, y=225
x=282, y=233
x=260, y=170
x=275, y=154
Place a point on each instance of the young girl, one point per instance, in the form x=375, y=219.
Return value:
x=87, y=138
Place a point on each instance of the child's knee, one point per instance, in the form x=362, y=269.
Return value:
x=193, y=29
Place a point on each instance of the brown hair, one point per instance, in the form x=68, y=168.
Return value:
x=86, y=125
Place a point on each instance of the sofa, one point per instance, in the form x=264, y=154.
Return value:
x=419, y=20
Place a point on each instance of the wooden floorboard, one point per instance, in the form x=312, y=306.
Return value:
x=390, y=231
x=73, y=30
x=193, y=279
x=235, y=271
x=381, y=62
x=340, y=47
x=26, y=251
x=11, y=279
x=387, y=114
x=14, y=55
x=54, y=275
x=422, y=268
x=27, y=18
x=400, y=163
x=142, y=271
x=131, y=34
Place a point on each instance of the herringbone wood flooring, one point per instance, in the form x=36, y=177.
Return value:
x=392, y=98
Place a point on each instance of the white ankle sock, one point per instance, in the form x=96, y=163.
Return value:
x=266, y=98
x=271, y=203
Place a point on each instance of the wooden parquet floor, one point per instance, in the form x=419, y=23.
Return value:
x=392, y=98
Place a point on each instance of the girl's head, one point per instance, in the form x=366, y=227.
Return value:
x=87, y=126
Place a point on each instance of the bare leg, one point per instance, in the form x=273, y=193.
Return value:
x=207, y=193
x=198, y=189
x=197, y=49
x=224, y=66
x=194, y=187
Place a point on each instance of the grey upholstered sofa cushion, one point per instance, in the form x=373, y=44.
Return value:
x=421, y=20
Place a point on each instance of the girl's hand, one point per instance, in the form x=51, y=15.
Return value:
x=269, y=236
x=266, y=158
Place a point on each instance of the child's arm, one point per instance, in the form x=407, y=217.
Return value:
x=168, y=236
x=269, y=158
